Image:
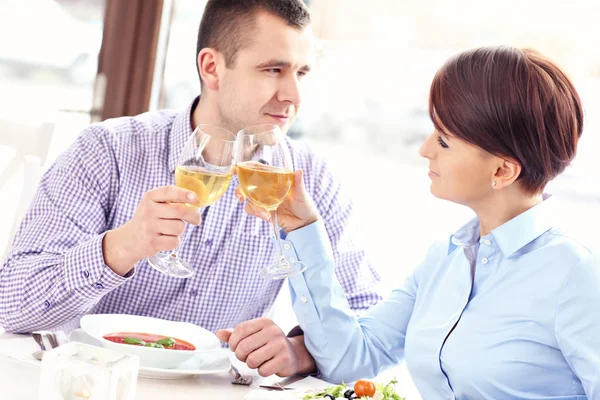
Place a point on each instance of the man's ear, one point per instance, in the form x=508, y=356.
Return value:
x=208, y=60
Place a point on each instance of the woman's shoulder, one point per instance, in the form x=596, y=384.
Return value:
x=566, y=246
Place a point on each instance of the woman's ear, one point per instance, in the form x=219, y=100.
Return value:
x=507, y=172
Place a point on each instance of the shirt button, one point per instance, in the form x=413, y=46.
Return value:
x=46, y=304
x=303, y=299
x=287, y=246
x=86, y=274
x=484, y=260
x=208, y=242
x=487, y=242
x=193, y=292
x=99, y=286
x=292, y=259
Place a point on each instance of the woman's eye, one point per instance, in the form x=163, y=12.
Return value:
x=442, y=143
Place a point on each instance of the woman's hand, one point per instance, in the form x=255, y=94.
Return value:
x=296, y=211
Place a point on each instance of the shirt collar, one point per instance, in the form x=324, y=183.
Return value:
x=512, y=235
x=181, y=130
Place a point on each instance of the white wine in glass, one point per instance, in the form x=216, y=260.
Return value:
x=204, y=167
x=265, y=185
x=208, y=186
x=264, y=169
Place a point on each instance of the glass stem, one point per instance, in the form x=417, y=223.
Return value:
x=181, y=239
x=278, y=246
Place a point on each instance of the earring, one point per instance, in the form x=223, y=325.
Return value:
x=493, y=183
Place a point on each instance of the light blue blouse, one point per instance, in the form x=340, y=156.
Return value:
x=511, y=315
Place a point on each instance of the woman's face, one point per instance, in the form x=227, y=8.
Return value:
x=460, y=172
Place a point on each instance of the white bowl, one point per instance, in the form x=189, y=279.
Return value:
x=99, y=325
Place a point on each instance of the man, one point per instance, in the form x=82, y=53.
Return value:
x=109, y=202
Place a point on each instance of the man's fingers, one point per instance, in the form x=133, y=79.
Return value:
x=180, y=211
x=244, y=330
x=163, y=243
x=251, y=344
x=171, y=194
x=260, y=356
x=169, y=227
x=224, y=334
x=274, y=366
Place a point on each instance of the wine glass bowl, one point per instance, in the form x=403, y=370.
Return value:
x=266, y=186
x=265, y=172
x=205, y=167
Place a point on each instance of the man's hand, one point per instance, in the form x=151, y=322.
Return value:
x=155, y=226
x=261, y=344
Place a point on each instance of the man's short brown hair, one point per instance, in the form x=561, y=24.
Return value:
x=226, y=25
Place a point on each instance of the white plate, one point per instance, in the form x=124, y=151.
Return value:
x=99, y=325
x=201, y=364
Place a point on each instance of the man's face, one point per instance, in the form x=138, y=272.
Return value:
x=263, y=86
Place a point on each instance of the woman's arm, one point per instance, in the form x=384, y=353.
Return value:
x=343, y=346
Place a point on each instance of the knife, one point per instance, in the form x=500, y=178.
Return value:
x=275, y=387
x=282, y=384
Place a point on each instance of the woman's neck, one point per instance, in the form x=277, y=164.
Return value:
x=503, y=207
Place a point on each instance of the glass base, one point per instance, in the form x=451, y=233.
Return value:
x=170, y=264
x=282, y=269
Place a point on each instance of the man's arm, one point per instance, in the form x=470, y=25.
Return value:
x=62, y=261
x=55, y=270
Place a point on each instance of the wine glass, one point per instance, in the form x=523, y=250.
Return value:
x=264, y=169
x=205, y=167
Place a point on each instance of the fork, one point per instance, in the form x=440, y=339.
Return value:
x=52, y=338
x=238, y=379
x=38, y=339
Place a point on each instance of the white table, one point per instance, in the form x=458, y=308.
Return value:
x=20, y=376
x=20, y=381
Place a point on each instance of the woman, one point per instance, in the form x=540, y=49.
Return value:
x=509, y=306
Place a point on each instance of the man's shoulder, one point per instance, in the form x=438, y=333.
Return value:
x=322, y=180
x=300, y=148
x=305, y=157
x=149, y=123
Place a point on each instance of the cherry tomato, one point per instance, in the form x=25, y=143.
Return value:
x=364, y=388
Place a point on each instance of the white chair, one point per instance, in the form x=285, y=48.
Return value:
x=31, y=145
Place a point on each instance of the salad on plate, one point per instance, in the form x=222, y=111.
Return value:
x=363, y=390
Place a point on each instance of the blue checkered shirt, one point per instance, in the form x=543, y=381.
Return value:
x=55, y=270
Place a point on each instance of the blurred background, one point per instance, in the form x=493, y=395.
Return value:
x=65, y=63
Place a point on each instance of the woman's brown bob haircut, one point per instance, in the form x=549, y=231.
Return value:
x=514, y=104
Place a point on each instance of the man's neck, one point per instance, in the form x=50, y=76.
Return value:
x=206, y=112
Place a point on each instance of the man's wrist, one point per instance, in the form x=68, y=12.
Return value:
x=115, y=254
x=306, y=364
